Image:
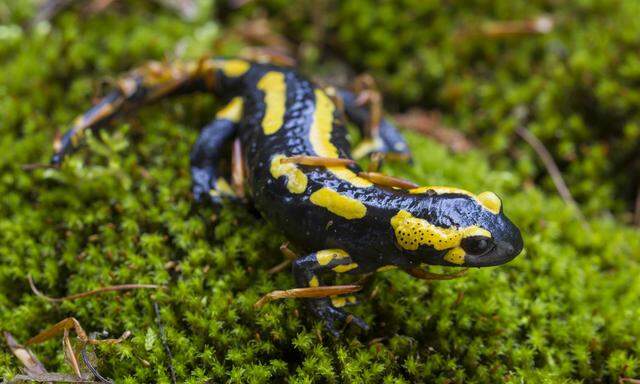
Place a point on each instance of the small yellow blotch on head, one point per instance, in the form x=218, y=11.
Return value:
x=455, y=256
x=412, y=232
x=345, y=267
x=296, y=179
x=275, y=97
x=338, y=204
x=320, y=138
x=386, y=268
x=314, y=282
x=233, y=67
x=325, y=256
x=489, y=200
x=231, y=111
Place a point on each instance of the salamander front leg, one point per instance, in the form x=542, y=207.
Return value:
x=207, y=152
x=307, y=271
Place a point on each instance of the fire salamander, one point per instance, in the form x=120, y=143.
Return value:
x=298, y=174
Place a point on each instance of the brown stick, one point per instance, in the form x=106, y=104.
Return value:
x=290, y=256
x=70, y=354
x=317, y=161
x=311, y=292
x=69, y=323
x=31, y=364
x=237, y=169
x=387, y=181
x=552, y=168
x=123, y=287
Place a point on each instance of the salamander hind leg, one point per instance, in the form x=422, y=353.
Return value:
x=307, y=271
x=207, y=153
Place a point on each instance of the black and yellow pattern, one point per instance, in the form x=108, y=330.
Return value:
x=343, y=221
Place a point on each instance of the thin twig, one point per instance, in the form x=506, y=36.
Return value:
x=289, y=257
x=73, y=323
x=70, y=354
x=165, y=344
x=387, y=181
x=310, y=292
x=552, y=168
x=112, y=288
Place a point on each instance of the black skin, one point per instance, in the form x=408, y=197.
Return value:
x=369, y=241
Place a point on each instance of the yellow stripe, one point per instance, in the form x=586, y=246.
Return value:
x=314, y=282
x=344, y=206
x=489, y=200
x=233, y=68
x=386, y=268
x=275, y=97
x=325, y=256
x=320, y=138
x=296, y=179
x=232, y=111
x=345, y=268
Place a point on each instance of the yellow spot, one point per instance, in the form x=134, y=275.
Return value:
x=275, y=96
x=223, y=187
x=411, y=232
x=231, y=111
x=320, y=138
x=338, y=302
x=233, y=68
x=386, y=268
x=314, y=282
x=341, y=301
x=455, y=255
x=296, y=179
x=489, y=200
x=344, y=206
x=327, y=255
x=345, y=267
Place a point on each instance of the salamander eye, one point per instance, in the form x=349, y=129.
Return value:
x=477, y=245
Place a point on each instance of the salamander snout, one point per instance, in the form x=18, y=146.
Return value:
x=503, y=246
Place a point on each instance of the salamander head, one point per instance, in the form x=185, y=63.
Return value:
x=450, y=226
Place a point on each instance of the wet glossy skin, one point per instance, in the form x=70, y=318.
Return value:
x=370, y=240
x=343, y=223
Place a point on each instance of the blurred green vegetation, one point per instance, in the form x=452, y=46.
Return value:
x=120, y=210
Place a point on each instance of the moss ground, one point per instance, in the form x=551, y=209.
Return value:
x=120, y=211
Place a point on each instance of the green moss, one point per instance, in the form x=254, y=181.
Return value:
x=120, y=211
